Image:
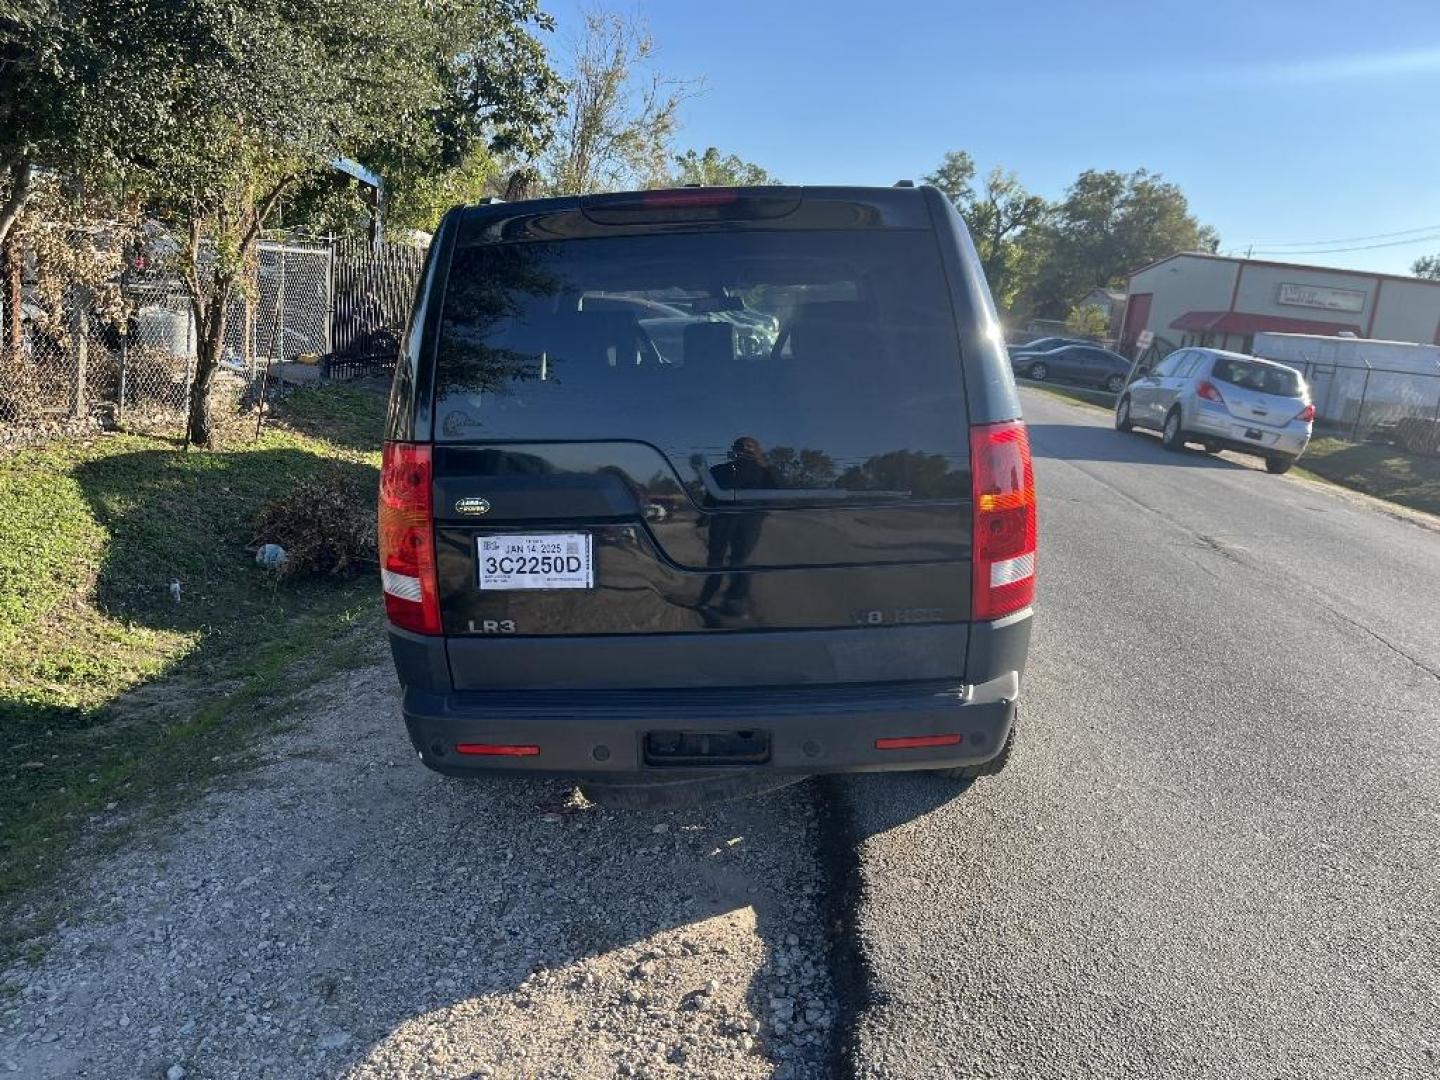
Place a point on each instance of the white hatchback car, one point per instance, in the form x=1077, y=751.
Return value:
x=1225, y=401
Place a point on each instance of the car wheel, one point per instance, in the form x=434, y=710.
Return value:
x=966, y=775
x=1122, y=415
x=1038, y=372
x=1115, y=383
x=1171, y=436
x=1276, y=464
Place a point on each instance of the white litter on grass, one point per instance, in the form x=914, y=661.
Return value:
x=272, y=556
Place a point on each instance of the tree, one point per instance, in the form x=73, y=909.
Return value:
x=1087, y=321
x=262, y=94
x=619, y=115
x=1000, y=222
x=1001, y=219
x=955, y=177
x=712, y=170
x=1109, y=224
x=1427, y=266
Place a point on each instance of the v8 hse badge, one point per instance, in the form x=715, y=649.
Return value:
x=535, y=561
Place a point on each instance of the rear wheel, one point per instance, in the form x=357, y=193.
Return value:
x=1277, y=464
x=1038, y=372
x=1122, y=416
x=1171, y=436
x=968, y=774
x=1115, y=383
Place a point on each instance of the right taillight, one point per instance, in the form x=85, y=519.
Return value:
x=1207, y=391
x=1307, y=414
x=407, y=538
x=1003, y=486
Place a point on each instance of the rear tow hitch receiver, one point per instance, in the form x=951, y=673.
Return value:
x=707, y=748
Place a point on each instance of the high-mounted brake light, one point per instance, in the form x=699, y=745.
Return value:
x=1307, y=414
x=690, y=197
x=407, y=538
x=1208, y=391
x=1003, y=486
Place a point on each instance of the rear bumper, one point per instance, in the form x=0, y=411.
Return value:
x=1220, y=427
x=959, y=680
x=808, y=730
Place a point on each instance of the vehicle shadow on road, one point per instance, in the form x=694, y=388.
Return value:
x=1084, y=442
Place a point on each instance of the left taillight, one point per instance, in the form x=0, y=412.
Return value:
x=1307, y=415
x=407, y=538
x=1003, y=551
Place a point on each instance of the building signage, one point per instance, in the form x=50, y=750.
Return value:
x=1322, y=297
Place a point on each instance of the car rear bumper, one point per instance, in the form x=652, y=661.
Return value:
x=807, y=730
x=1230, y=432
x=959, y=680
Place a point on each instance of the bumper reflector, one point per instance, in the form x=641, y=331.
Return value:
x=916, y=742
x=496, y=749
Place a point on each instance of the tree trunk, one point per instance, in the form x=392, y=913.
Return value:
x=22, y=176
x=210, y=342
x=11, y=261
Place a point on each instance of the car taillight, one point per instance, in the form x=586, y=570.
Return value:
x=1307, y=414
x=1207, y=391
x=407, y=538
x=1003, y=484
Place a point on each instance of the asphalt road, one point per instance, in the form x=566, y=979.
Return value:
x=1216, y=850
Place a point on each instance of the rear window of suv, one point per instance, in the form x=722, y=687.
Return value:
x=831, y=356
x=1265, y=378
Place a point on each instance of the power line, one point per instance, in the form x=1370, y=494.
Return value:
x=1269, y=244
x=1339, y=250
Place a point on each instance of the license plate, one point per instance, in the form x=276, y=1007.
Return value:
x=536, y=561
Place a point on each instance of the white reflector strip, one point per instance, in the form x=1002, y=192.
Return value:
x=1009, y=571
x=402, y=586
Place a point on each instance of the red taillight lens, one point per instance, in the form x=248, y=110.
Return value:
x=479, y=749
x=1208, y=391
x=917, y=742
x=407, y=538
x=1003, y=484
x=1307, y=414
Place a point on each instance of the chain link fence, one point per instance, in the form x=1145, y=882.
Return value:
x=312, y=310
x=1373, y=403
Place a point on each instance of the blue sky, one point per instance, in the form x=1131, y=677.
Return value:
x=1286, y=123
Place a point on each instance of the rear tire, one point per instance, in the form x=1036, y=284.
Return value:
x=1172, y=436
x=968, y=774
x=1276, y=465
x=1038, y=372
x=1122, y=416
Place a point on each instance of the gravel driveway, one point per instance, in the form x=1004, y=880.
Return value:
x=344, y=912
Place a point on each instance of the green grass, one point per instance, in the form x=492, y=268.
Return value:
x=104, y=678
x=1386, y=472
x=1096, y=399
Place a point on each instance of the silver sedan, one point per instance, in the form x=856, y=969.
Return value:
x=1224, y=401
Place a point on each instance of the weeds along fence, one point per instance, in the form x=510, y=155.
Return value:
x=312, y=310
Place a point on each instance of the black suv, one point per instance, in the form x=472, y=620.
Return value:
x=622, y=541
